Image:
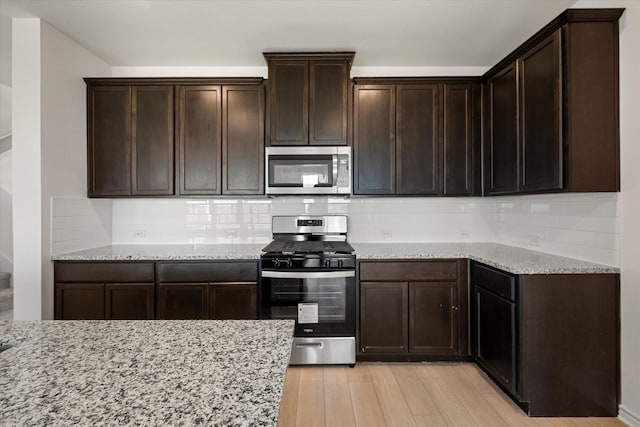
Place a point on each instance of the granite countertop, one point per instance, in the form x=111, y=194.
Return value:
x=165, y=252
x=509, y=258
x=163, y=372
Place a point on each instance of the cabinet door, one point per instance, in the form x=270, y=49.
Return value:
x=501, y=142
x=495, y=346
x=233, y=301
x=131, y=301
x=384, y=317
x=433, y=318
x=79, y=301
x=109, y=140
x=152, y=140
x=328, y=106
x=183, y=301
x=289, y=102
x=243, y=139
x=417, y=140
x=541, y=116
x=374, y=139
x=199, y=139
x=458, y=139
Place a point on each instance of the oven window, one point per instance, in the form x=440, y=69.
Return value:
x=329, y=295
x=301, y=171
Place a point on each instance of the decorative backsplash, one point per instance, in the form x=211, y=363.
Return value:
x=582, y=226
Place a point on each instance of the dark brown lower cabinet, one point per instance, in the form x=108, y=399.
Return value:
x=233, y=301
x=207, y=301
x=413, y=310
x=129, y=301
x=551, y=341
x=384, y=313
x=182, y=290
x=433, y=317
x=182, y=301
x=75, y=301
x=207, y=290
x=103, y=290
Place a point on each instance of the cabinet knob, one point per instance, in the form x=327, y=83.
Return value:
x=454, y=307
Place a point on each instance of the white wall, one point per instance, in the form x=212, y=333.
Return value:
x=79, y=223
x=27, y=203
x=6, y=222
x=49, y=150
x=64, y=134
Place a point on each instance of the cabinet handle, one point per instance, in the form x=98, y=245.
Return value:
x=362, y=349
x=441, y=305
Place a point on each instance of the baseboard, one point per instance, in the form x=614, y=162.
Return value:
x=628, y=417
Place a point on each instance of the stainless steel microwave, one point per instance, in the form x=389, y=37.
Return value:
x=308, y=170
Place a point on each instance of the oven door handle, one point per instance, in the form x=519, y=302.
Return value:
x=308, y=275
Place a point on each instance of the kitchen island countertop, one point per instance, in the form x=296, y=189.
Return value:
x=205, y=372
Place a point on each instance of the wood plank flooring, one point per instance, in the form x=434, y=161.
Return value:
x=411, y=394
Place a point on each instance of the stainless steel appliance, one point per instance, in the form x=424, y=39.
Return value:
x=308, y=274
x=308, y=170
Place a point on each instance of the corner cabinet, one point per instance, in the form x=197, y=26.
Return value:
x=215, y=127
x=551, y=341
x=552, y=109
x=309, y=98
x=418, y=137
x=413, y=310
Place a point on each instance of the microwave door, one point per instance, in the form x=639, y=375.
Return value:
x=301, y=172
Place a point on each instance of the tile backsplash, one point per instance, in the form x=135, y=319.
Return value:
x=80, y=223
x=582, y=226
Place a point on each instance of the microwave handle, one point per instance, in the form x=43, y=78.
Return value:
x=335, y=170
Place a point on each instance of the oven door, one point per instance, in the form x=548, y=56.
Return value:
x=323, y=303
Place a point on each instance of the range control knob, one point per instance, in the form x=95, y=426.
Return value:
x=288, y=263
x=276, y=263
x=340, y=263
x=327, y=263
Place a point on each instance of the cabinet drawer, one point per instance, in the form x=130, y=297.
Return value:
x=207, y=271
x=408, y=270
x=103, y=272
x=496, y=281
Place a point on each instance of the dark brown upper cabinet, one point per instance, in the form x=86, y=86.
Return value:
x=219, y=132
x=552, y=109
x=309, y=98
x=374, y=135
x=418, y=137
x=130, y=140
x=220, y=139
x=199, y=139
x=501, y=139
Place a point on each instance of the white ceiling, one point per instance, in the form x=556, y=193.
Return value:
x=427, y=33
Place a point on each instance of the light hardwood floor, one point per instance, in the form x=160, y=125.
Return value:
x=434, y=394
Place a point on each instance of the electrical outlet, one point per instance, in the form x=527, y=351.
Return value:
x=464, y=234
x=387, y=234
x=140, y=234
x=231, y=234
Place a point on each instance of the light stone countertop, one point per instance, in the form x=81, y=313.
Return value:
x=508, y=258
x=162, y=372
x=165, y=252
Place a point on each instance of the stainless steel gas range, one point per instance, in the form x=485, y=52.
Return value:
x=308, y=274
